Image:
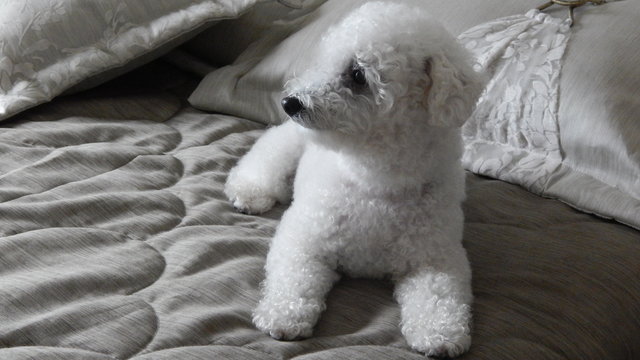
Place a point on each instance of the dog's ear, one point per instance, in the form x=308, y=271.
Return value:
x=452, y=92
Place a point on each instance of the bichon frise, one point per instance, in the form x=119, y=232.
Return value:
x=374, y=143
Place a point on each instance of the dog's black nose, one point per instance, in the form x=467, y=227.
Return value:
x=292, y=105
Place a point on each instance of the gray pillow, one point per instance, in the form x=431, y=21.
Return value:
x=48, y=46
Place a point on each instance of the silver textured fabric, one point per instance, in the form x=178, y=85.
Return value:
x=116, y=242
x=48, y=46
x=513, y=133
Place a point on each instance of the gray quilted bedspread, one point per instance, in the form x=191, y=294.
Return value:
x=116, y=242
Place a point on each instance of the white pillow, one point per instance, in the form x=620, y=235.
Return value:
x=597, y=125
x=251, y=87
x=48, y=46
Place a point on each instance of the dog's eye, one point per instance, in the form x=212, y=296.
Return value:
x=357, y=75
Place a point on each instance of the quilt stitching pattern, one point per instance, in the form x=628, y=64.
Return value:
x=143, y=169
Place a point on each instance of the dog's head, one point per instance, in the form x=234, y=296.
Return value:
x=384, y=63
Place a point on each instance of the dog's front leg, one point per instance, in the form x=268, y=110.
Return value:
x=298, y=278
x=264, y=175
x=436, y=308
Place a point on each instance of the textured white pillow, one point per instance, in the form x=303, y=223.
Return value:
x=573, y=132
x=48, y=46
x=597, y=168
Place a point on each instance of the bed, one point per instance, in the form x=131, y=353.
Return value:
x=116, y=240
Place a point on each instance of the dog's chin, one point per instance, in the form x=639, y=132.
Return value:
x=305, y=120
x=302, y=120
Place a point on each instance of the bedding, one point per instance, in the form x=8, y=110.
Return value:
x=116, y=242
x=567, y=129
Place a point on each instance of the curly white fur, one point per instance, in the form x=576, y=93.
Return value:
x=378, y=182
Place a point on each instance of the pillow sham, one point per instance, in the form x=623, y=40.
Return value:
x=48, y=46
x=595, y=165
x=251, y=86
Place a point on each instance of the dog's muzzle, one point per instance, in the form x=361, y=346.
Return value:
x=299, y=113
x=292, y=106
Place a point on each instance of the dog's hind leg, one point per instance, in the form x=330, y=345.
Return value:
x=265, y=174
x=436, y=309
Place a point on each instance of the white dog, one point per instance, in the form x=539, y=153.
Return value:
x=375, y=146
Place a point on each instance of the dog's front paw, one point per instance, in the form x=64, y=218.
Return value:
x=252, y=203
x=440, y=343
x=248, y=197
x=286, y=332
x=286, y=322
x=440, y=348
